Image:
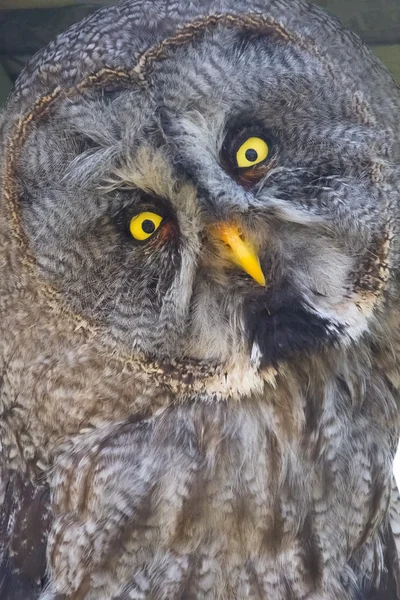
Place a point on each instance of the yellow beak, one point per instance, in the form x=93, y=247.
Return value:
x=243, y=253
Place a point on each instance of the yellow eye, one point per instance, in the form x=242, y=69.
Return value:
x=143, y=226
x=253, y=151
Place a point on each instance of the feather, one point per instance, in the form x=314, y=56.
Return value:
x=24, y=523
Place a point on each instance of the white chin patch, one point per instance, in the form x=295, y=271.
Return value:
x=351, y=316
x=256, y=355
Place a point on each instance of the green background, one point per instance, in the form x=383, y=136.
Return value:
x=27, y=25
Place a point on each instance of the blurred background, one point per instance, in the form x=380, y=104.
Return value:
x=28, y=25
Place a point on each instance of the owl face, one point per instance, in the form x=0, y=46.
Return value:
x=234, y=206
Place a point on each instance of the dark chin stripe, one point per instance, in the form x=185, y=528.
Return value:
x=283, y=327
x=377, y=595
x=387, y=591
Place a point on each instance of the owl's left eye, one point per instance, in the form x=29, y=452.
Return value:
x=247, y=153
x=144, y=225
x=252, y=152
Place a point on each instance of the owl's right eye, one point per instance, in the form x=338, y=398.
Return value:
x=144, y=225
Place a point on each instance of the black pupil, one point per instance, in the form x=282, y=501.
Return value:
x=251, y=155
x=148, y=226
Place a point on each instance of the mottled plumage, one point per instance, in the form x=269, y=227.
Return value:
x=170, y=428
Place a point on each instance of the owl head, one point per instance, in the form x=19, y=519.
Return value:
x=212, y=182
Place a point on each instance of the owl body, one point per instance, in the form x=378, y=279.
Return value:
x=199, y=333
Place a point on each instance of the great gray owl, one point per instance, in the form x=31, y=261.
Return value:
x=199, y=331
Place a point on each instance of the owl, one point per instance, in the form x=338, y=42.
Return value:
x=199, y=333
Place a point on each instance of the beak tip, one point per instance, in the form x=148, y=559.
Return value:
x=243, y=253
x=260, y=279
